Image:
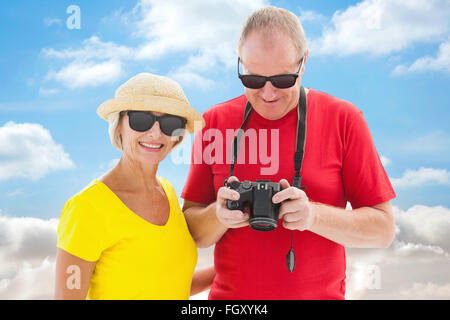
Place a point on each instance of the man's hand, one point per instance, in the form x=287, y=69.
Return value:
x=229, y=218
x=296, y=210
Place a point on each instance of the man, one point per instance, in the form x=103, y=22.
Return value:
x=340, y=164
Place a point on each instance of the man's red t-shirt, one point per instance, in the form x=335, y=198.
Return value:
x=340, y=164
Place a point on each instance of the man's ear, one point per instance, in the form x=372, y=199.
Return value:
x=305, y=57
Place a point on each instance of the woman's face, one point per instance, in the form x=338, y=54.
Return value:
x=150, y=147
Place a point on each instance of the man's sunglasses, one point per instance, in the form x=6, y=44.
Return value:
x=142, y=121
x=281, y=81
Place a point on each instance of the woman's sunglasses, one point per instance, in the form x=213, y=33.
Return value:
x=281, y=81
x=142, y=121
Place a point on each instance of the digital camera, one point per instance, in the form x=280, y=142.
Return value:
x=257, y=196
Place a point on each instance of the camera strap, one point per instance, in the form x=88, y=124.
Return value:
x=298, y=156
x=299, y=144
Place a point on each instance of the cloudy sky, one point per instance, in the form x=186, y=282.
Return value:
x=391, y=58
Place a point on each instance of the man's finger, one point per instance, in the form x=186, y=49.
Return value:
x=232, y=178
x=291, y=217
x=225, y=193
x=285, y=194
x=284, y=184
x=234, y=215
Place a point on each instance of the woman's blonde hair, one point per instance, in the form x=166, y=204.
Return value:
x=114, y=120
x=272, y=18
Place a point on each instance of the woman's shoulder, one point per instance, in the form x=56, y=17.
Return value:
x=166, y=184
x=90, y=196
x=169, y=189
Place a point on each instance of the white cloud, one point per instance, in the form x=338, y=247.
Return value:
x=206, y=32
x=94, y=64
x=382, y=27
x=310, y=16
x=87, y=74
x=29, y=151
x=425, y=225
x=397, y=270
x=435, y=142
x=27, y=252
x=193, y=26
x=439, y=63
x=191, y=79
x=385, y=160
x=12, y=194
x=27, y=239
x=414, y=267
x=30, y=282
x=425, y=291
x=48, y=92
x=418, y=259
x=422, y=176
x=92, y=48
x=52, y=21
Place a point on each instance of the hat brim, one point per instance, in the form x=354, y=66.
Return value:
x=195, y=121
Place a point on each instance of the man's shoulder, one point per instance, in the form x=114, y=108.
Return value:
x=229, y=110
x=330, y=103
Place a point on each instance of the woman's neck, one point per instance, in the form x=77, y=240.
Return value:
x=133, y=176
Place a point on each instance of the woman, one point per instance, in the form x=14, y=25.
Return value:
x=124, y=236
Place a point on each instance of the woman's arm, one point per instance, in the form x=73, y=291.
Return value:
x=202, y=280
x=73, y=276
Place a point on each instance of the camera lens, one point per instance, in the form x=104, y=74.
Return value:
x=263, y=224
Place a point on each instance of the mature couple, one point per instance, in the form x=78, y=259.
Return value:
x=128, y=238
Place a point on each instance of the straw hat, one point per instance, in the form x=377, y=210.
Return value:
x=149, y=92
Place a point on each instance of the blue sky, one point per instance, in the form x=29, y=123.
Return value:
x=56, y=77
x=391, y=58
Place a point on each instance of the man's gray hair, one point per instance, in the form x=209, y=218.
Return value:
x=272, y=18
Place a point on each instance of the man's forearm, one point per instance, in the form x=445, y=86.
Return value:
x=365, y=227
x=204, y=226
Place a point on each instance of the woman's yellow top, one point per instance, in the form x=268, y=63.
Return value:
x=135, y=259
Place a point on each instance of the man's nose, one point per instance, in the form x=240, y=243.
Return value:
x=268, y=92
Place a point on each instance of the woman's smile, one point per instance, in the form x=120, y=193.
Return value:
x=151, y=147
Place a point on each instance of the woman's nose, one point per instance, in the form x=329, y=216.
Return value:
x=155, y=130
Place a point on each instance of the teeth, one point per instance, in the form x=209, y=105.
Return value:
x=152, y=146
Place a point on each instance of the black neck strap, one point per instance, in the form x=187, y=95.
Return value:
x=300, y=139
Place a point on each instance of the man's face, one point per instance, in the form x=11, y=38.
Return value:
x=269, y=55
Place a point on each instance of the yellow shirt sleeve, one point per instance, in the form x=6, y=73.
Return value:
x=81, y=230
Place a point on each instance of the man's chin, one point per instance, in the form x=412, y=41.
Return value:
x=270, y=113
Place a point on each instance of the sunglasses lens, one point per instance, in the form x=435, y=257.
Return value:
x=257, y=82
x=140, y=121
x=283, y=81
x=171, y=125
x=253, y=82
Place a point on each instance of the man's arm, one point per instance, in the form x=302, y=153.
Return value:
x=208, y=223
x=365, y=227
x=203, y=224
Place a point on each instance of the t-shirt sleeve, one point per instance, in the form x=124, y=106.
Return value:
x=81, y=231
x=199, y=185
x=365, y=180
